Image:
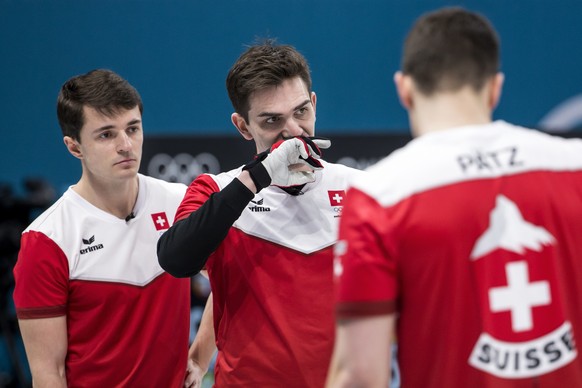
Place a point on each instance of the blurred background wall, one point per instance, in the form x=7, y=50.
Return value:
x=177, y=54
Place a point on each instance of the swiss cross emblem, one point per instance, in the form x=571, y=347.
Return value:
x=336, y=197
x=160, y=221
x=525, y=333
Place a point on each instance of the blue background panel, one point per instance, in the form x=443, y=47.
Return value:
x=177, y=54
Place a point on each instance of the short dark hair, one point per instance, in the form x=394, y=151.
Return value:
x=450, y=48
x=100, y=89
x=261, y=66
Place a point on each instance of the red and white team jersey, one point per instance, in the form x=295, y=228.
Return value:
x=272, y=282
x=127, y=320
x=473, y=237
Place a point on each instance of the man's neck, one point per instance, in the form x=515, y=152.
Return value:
x=449, y=110
x=116, y=198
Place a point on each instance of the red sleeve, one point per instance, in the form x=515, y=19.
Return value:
x=42, y=278
x=365, y=266
x=198, y=192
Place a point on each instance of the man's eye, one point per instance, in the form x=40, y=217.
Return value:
x=302, y=111
x=272, y=120
x=104, y=135
x=133, y=129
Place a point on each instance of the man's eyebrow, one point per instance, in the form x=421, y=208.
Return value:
x=109, y=126
x=103, y=128
x=133, y=122
x=271, y=114
x=307, y=101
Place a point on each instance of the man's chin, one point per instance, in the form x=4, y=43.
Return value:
x=125, y=173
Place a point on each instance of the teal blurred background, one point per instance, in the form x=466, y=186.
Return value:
x=177, y=54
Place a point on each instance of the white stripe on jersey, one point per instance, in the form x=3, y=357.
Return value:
x=467, y=153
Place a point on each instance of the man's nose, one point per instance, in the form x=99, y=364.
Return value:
x=123, y=142
x=292, y=129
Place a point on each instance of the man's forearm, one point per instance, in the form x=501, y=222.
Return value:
x=45, y=342
x=48, y=380
x=204, y=344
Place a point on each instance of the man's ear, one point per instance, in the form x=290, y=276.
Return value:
x=313, y=101
x=403, y=89
x=73, y=146
x=241, y=125
x=496, y=88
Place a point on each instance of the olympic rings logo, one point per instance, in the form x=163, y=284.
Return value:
x=183, y=167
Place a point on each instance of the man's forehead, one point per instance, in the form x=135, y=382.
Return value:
x=113, y=113
x=282, y=98
x=95, y=120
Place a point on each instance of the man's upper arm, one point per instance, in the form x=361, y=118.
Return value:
x=196, y=195
x=365, y=262
x=201, y=226
x=45, y=341
x=42, y=278
x=41, y=297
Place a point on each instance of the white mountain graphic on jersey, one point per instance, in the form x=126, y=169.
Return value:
x=508, y=230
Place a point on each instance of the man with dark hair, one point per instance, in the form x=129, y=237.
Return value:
x=264, y=232
x=467, y=240
x=93, y=304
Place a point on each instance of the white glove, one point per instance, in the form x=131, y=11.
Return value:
x=295, y=153
x=292, y=152
x=321, y=143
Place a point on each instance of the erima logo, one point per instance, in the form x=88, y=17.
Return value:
x=90, y=248
x=258, y=208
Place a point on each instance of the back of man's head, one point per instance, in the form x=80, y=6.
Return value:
x=102, y=90
x=449, y=49
x=262, y=66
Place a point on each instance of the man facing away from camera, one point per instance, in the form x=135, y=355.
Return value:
x=467, y=240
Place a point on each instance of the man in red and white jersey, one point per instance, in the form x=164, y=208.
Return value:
x=467, y=240
x=95, y=309
x=264, y=232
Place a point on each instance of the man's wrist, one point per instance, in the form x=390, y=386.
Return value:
x=245, y=178
x=259, y=175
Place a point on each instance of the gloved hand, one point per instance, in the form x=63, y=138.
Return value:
x=315, y=144
x=272, y=167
